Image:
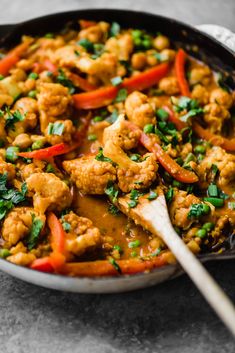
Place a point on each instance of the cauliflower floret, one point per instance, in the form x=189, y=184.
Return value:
x=104, y=67
x=82, y=236
x=18, y=223
x=66, y=135
x=215, y=115
x=122, y=46
x=22, y=258
x=49, y=192
x=66, y=56
x=139, y=110
x=221, y=97
x=169, y=85
x=225, y=163
x=28, y=169
x=121, y=135
x=23, y=141
x=200, y=93
x=179, y=208
x=131, y=175
x=7, y=168
x=96, y=33
x=201, y=75
x=89, y=175
x=29, y=110
x=53, y=98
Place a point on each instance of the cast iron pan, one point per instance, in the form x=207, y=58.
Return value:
x=199, y=45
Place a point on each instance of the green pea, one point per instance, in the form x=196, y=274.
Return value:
x=201, y=233
x=98, y=118
x=12, y=153
x=133, y=254
x=32, y=94
x=33, y=76
x=147, y=43
x=148, y=128
x=205, y=209
x=208, y=226
x=37, y=145
x=200, y=157
x=200, y=149
x=4, y=253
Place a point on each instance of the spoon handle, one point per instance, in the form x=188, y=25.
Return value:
x=154, y=217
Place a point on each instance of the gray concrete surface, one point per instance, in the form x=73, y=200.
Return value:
x=169, y=318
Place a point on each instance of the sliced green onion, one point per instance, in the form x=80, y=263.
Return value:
x=149, y=128
x=37, y=145
x=213, y=190
x=201, y=233
x=116, y=80
x=215, y=201
x=134, y=244
x=32, y=94
x=200, y=149
x=92, y=137
x=208, y=226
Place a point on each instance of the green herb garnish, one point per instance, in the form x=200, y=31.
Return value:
x=65, y=81
x=87, y=44
x=114, y=30
x=152, y=195
x=101, y=158
x=121, y=95
x=112, y=191
x=198, y=210
x=56, y=128
x=115, y=265
x=169, y=195
x=37, y=225
x=134, y=244
x=13, y=118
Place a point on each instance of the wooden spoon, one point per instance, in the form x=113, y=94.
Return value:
x=153, y=216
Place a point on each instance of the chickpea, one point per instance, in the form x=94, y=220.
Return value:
x=200, y=75
x=161, y=42
x=169, y=54
x=24, y=64
x=138, y=61
x=23, y=141
x=169, y=85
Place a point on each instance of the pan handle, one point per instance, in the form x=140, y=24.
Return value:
x=222, y=34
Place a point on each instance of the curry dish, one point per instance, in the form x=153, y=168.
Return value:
x=94, y=114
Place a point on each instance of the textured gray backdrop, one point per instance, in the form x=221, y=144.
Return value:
x=169, y=318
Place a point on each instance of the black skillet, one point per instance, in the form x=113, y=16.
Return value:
x=199, y=45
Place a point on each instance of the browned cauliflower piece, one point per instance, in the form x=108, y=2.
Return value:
x=139, y=61
x=36, y=166
x=7, y=168
x=66, y=56
x=215, y=115
x=53, y=98
x=132, y=175
x=18, y=223
x=122, y=46
x=225, y=163
x=48, y=192
x=139, y=110
x=96, y=33
x=29, y=110
x=200, y=93
x=179, y=208
x=82, y=235
x=121, y=135
x=201, y=74
x=221, y=97
x=89, y=175
x=68, y=129
x=169, y=85
x=104, y=67
x=22, y=258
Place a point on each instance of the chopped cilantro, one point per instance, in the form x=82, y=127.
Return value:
x=113, y=210
x=162, y=114
x=37, y=225
x=111, y=191
x=87, y=44
x=115, y=265
x=65, y=81
x=198, y=210
x=101, y=158
x=13, y=118
x=115, y=29
x=169, y=195
x=134, y=244
x=134, y=198
x=121, y=95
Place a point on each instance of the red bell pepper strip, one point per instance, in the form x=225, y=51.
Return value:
x=12, y=58
x=52, y=263
x=105, y=268
x=52, y=151
x=174, y=119
x=104, y=96
x=173, y=168
x=48, y=65
x=216, y=140
x=81, y=82
x=57, y=233
x=180, y=60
